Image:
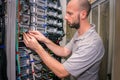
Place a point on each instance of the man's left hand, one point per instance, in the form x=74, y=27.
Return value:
x=30, y=41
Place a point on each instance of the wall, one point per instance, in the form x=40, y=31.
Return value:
x=100, y=17
x=116, y=54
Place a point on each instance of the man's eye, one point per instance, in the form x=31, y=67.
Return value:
x=69, y=13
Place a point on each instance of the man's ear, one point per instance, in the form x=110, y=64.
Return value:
x=83, y=14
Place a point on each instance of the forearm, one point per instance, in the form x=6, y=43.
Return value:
x=58, y=50
x=52, y=64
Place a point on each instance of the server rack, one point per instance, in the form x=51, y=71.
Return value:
x=23, y=15
x=3, y=60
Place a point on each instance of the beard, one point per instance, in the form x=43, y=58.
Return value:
x=75, y=25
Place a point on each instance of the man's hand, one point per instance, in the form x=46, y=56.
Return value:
x=30, y=41
x=39, y=36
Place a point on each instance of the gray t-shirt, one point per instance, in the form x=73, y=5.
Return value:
x=87, y=52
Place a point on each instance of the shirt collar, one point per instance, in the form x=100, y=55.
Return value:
x=92, y=28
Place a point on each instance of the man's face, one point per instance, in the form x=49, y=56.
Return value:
x=72, y=16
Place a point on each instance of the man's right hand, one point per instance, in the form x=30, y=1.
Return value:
x=39, y=36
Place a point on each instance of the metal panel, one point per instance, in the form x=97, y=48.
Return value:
x=10, y=39
x=111, y=38
x=63, y=4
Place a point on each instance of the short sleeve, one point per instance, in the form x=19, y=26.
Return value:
x=81, y=59
x=70, y=44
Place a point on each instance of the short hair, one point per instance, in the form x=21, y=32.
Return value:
x=85, y=4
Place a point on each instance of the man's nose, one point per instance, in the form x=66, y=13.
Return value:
x=66, y=17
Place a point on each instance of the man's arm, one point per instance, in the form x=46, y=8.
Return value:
x=52, y=64
x=58, y=50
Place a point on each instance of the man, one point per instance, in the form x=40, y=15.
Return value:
x=85, y=50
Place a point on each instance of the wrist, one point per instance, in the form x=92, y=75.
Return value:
x=39, y=47
x=46, y=41
x=40, y=51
